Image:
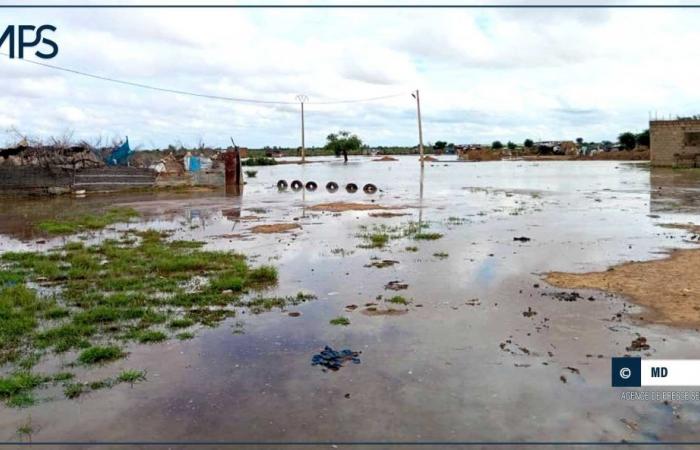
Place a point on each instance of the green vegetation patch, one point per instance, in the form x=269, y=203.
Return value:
x=340, y=320
x=259, y=161
x=139, y=289
x=87, y=221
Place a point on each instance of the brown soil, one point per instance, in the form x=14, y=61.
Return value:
x=385, y=158
x=669, y=287
x=481, y=155
x=275, y=228
x=387, y=215
x=345, y=206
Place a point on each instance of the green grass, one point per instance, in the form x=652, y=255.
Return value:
x=125, y=289
x=340, y=320
x=73, y=390
x=15, y=389
x=181, y=323
x=151, y=336
x=184, y=336
x=87, y=221
x=398, y=300
x=100, y=354
x=265, y=275
x=411, y=248
x=259, y=161
x=131, y=376
x=441, y=255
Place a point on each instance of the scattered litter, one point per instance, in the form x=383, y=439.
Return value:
x=334, y=360
x=522, y=239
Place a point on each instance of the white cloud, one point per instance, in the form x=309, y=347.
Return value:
x=483, y=74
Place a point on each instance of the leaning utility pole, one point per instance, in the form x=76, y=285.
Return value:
x=302, y=98
x=420, y=127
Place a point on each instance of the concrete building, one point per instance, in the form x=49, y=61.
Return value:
x=675, y=142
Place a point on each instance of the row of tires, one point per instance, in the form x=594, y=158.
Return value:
x=331, y=186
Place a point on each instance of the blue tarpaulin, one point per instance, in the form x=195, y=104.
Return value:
x=119, y=155
x=194, y=164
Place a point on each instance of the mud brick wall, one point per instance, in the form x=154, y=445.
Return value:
x=33, y=180
x=668, y=138
x=41, y=180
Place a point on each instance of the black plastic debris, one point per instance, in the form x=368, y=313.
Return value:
x=334, y=360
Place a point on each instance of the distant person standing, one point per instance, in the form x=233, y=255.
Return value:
x=345, y=155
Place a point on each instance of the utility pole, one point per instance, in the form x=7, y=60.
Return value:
x=420, y=127
x=302, y=98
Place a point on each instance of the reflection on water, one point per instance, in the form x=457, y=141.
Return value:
x=464, y=363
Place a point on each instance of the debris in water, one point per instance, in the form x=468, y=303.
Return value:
x=522, y=239
x=381, y=264
x=638, y=345
x=530, y=312
x=396, y=285
x=333, y=360
x=567, y=296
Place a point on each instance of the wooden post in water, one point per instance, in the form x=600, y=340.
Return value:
x=234, y=178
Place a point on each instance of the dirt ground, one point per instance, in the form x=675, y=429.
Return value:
x=669, y=287
x=385, y=158
x=275, y=228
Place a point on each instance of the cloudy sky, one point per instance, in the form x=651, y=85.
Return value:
x=483, y=74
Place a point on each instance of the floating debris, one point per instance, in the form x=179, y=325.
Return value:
x=522, y=239
x=638, y=345
x=334, y=360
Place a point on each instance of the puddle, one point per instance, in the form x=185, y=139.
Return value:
x=436, y=371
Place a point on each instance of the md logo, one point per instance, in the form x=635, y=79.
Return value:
x=21, y=37
x=659, y=372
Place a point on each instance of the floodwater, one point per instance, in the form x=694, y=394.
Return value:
x=465, y=365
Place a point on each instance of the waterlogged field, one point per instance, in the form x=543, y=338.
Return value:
x=201, y=316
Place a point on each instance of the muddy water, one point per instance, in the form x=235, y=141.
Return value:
x=465, y=365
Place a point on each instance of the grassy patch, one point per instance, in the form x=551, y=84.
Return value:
x=185, y=336
x=411, y=248
x=16, y=389
x=131, y=376
x=150, y=336
x=100, y=354
x=398, y=300
x=340, y=320
x=426, y=236
x=73, y=390
x=87, y=221
x=120, y=289
x=181, y=323
x=441, y=255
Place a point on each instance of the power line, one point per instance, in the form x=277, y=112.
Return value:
x=197, y=94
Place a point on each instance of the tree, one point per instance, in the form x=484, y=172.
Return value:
x=497, y=145
x=627, y=140
x=579, y=141
x=643, y=138
x=511, y=145
x=440, y=145
x=528, y=143
x=343, y=143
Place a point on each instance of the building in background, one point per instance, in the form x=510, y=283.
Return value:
x=675, y=142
